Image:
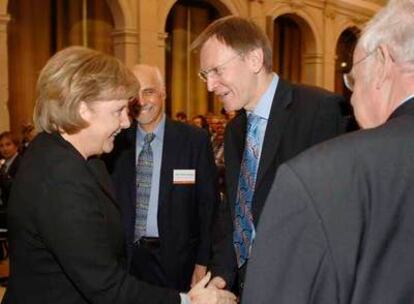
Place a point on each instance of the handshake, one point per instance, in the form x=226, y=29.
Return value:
x=209, y=292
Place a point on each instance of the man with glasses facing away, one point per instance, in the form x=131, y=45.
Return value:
x=278, y=121
x=337, y=226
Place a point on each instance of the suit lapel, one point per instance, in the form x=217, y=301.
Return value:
x=279, y=115
x=233, y=153
x=94, y=165
x=98, y=169
x=130, y=168
x=130, y=179
x=170, y=151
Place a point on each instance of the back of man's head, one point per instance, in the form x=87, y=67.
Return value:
x=240, y=34
x=393, y=26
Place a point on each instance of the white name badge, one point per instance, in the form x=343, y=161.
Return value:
x=187, y=176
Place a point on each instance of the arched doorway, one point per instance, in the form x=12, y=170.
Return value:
x=344, y=53
x=185, y=91
x=37, y=31
x=293, y=49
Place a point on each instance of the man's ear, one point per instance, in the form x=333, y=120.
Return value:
x=163, y=93
x=385, y=65
x=255, y=59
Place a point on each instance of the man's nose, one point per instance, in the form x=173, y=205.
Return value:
x=211, y=83
x=141, y=101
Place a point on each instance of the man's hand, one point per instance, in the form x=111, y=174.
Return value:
x=199, y=294
x=217, y=282
x=198, y=273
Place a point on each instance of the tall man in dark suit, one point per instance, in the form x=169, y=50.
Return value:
x=278, y=121
x=337, y=226
x=174, y=247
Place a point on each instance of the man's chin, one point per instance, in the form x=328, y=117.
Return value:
x=144, y=121
x=230, y=107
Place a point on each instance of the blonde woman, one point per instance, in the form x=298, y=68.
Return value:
x=65, y=228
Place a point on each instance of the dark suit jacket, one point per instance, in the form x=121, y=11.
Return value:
x=6, y=180
x=65, y=232
x=300, y=117
x=185, y=212
x=337, y=226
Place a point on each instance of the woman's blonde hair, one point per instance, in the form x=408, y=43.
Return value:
x=77, y=74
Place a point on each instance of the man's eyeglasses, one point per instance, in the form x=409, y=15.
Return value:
x=349, y=79
x=215, y=71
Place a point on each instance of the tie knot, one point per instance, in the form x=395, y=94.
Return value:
x=252, y=121
x=149, y=138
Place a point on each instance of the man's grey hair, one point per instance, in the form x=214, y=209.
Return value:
x=152, y=69
x=393, y=26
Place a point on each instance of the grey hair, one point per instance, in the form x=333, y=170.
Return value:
x=153, y=69
x=394, y=26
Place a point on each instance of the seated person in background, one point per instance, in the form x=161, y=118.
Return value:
x=181, y=116
x=201, y=122
x=9, y=163
x=65, y=227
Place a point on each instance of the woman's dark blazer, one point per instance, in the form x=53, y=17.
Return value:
x=65, y=232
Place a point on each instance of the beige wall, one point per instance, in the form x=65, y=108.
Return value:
x=139, y=34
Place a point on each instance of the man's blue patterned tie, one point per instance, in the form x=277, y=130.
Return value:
x=244, y=228
x=143, y=183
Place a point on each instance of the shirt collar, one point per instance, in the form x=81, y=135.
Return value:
x=264, y=105
x=407, y=99
x=10, y=161
x=158, y=131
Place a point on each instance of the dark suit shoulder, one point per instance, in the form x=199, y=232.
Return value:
x=310, y=97
x=337, y=148
x=50, y=161
x=312, y=91
x=185, y=131
x=186, y=128
x=355, y=154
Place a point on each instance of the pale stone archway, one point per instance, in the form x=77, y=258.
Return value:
x=183, y=23
x=234, y=7
x=312, y=56
x=139, y=34
x=343, y=26
x=344, y=48
x=125, y=34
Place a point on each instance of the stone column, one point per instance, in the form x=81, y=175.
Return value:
x=330, y=48
x=312, y=72
x=4, y=75
x=126, y=45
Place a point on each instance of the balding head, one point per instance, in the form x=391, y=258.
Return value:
x=151, y=96
x=149, y=73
